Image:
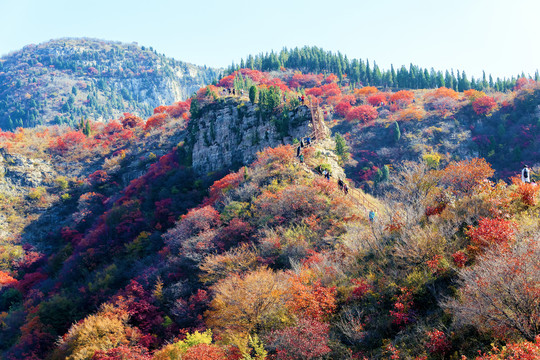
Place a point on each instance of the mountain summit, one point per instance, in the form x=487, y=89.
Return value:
x=62, y=80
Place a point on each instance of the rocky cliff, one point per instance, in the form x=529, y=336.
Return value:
x=229, y=133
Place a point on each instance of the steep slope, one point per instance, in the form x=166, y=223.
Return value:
x=62, y=80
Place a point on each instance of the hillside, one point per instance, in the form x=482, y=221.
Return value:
x=64, y=80
x=197, y=233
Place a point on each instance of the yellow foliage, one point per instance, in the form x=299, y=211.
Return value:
x=103, y=331
x=432, y=160
x=242, y=304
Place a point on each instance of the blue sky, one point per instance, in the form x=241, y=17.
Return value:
x=498, y=36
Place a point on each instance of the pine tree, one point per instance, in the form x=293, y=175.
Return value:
x=397, y=132
x=253, y=94
x=341, y=147
x=87, y=129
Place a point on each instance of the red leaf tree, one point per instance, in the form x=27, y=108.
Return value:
x=363, y=113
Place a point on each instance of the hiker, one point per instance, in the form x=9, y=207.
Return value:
x=303, y=98
x=301, y=158
x=308, y=141
x=301, y=143
x=345, y=188
x=326, y=174
x=340, y=183
x=526, y=175
x=372, y=215
x=298, y=149
x=234, y=91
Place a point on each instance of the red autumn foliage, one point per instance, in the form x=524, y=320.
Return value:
x=342, y=109
x=402, y=313
x=484, y=105
x=220, y=187
x=212, y=352
x=29, y=280
x=67, y=141
x=492, y=231
x=362, y=288
x=131, y=121
x=522, y=83
x=160, y=109
x=307, y=340
x=528, y=193
x=155, y=121
x=227, y=81
x=180, y=108
x=437, y=342
x=363, y=113
x=314, y=91
x=331, y=89
x=311, y=300
x=113, y=127
x=464, y=176
x=402, y=98
x=331, y=79
x=377, y=99
x=525, y=350
x=305, y=80
x=123, y=353
x=98, y=177
x=460, y=258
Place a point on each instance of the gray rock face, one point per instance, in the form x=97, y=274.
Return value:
x=232, y=133
x=18, y=172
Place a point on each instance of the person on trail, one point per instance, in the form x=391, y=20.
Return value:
x=301, y=143
x=372, y=215
x=308, y=141
x=345, y=188
x=302, y=158
x=303, y=98
x=234, y=91
x=298, y=149
x=340, y=183
x=526, y=175
x=327, y=174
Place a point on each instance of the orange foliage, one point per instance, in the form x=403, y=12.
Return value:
x=366, y=90
x=441, y=92
x=492, y=231
x=282, y=155
x=155, y=121
x=331, y=79
x=514, y=351
x=364, y=113
x=402, y=97
x=484, y=105
x=211, y=352
x=160, y=109
x=472, y=94
x=464, y=176
x=131, y=121
x=527, y=192
x=6, y=279
x=378, y=99
x=223, y=185
x=411, y=114
x=310, y=300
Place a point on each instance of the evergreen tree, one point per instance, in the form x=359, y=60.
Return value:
x=341, y=147
x=397, y=132
x=253, y=94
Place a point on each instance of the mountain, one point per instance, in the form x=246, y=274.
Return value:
x=198, y=232
x=64, y=80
